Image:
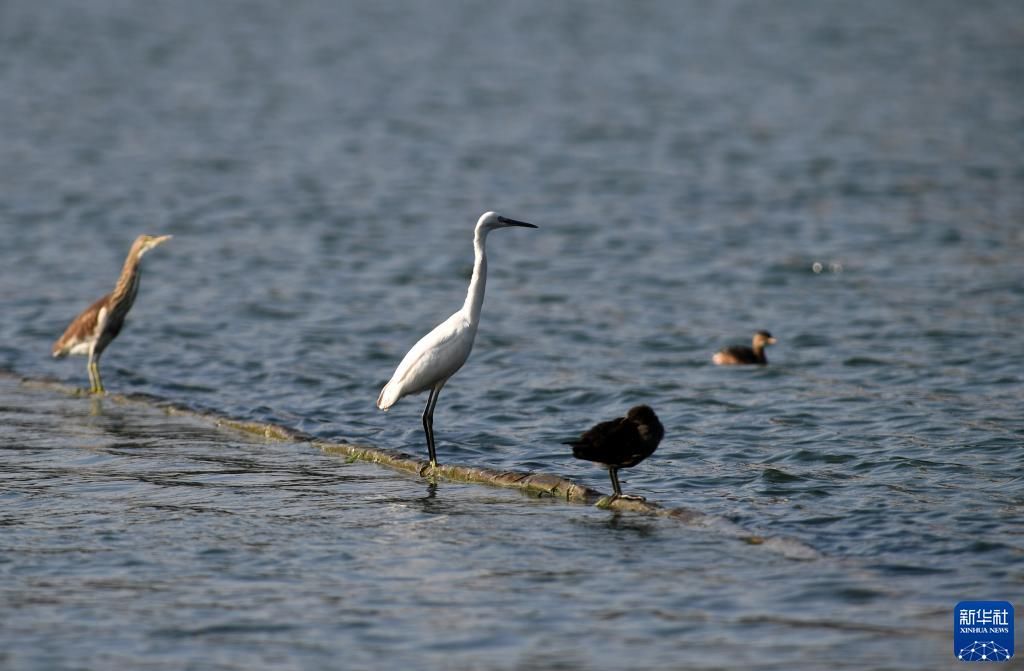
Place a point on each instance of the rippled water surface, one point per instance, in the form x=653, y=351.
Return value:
x=848, y=176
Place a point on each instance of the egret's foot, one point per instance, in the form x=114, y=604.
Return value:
x=428, y=469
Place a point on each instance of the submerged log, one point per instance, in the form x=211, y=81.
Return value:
x=534, y=484
x=539, y=484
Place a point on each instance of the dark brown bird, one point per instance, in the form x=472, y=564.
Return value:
x=100, y=323
x=621, y=443
x=738, y=354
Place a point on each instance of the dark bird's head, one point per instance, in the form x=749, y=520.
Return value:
x=646, y=422
x=762, y=338
x=641, y=413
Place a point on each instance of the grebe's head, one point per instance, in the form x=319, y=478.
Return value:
x=762, y=338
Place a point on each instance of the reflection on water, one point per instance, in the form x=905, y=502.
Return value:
x=230, y=540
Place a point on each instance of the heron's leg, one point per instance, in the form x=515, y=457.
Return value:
x=614, y=473
x=99, y=381
x=91, y=367
x=95, y=382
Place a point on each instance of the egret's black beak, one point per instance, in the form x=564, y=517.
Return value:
x=513, y=222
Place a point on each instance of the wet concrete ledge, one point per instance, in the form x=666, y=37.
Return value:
x=533, y=484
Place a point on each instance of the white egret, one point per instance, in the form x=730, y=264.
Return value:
x=440, y=354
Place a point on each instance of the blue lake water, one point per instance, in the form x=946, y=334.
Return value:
x=849, y=176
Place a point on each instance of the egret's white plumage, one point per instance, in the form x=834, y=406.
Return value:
x=437, y=356
x=442, y=352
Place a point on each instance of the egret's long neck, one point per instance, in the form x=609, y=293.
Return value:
x=128, y=283
x=475, y=295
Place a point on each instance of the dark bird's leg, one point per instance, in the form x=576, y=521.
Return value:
x=614, y=473
x=428, y=422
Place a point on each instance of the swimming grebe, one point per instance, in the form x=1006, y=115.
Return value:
x=731, y=356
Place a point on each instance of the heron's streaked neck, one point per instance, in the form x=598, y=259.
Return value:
x=128, y=283
x=475, y=295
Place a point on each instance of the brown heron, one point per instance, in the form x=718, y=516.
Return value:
x=738, y=354
x=621, y=443
x=100, y=323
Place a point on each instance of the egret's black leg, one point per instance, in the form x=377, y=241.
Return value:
x=614, y=473
x=428, y=425
x=428, y=421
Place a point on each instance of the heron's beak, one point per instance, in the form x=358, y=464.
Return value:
x=161, y=240
x=513, y=222
x=771, y=341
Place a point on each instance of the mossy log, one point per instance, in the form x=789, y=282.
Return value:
x=534, y=484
